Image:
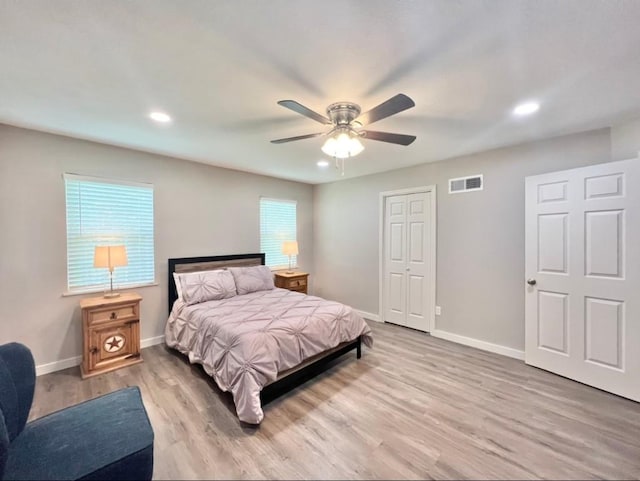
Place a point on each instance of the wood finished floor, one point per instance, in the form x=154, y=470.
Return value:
x=414, y=407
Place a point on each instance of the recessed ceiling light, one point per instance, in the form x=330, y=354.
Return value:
x=526, y=108
x=160, y=117
x=323, y=163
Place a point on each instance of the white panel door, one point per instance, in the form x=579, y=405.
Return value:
x=395, y=259
x=418, y=260
x=583, y=275
x=408, y=241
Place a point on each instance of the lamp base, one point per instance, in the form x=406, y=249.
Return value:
x=111, y=295
x=289, y=272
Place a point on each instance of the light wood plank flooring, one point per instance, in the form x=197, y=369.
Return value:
x=413, y=407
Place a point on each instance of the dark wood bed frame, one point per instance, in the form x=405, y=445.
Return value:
x=290, y=378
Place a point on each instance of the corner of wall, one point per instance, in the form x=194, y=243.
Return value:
x=625, y=140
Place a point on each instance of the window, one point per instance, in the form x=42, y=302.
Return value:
x=105, y=212
x=277, y=225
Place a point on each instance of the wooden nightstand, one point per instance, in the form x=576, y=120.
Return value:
x=297, y=281
x=111, y=333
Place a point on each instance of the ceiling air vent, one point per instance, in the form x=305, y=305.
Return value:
x=465, y=184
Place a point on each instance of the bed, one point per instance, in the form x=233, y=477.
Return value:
x=254, y=342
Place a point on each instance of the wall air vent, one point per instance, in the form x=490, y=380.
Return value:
x=466, y=184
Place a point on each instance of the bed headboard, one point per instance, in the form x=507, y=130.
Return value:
x=208, y=263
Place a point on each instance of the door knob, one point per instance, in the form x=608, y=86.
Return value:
x=531, y=282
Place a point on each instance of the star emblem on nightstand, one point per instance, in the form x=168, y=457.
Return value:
x=114, y=343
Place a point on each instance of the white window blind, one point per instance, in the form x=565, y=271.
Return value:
x=104, y=212
x=277, y=225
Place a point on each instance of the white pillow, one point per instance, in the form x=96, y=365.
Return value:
x=178, y=284
x=178, y=279
x=205, y=286
x=252, y=279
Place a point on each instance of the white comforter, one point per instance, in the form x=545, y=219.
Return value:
x=244, y=342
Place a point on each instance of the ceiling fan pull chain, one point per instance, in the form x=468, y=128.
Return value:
x=339, y=164
x=339, y=161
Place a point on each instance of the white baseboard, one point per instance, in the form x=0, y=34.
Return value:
x=369, y=315
x=58, y=365
x=477, y=343
x=467, y=341
x=77, y=360
x=151, y=341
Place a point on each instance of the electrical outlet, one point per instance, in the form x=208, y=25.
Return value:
x=438, y=310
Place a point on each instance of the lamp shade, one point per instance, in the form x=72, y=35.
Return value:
x=110, y=256
x=290, y=248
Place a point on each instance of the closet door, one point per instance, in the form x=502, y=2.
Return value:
x=395, y=260
x=418, y=264
x=408, y=260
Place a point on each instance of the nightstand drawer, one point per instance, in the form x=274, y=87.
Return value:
x=297, y=283
x=116, y=313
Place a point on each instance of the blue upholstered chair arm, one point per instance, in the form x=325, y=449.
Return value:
x=17, y=383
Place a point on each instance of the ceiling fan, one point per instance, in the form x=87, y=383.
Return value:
x=347, y=122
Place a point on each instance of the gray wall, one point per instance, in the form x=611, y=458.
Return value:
x=203, y=210
x=480, y=246
x=199, y=210
x=625, y=140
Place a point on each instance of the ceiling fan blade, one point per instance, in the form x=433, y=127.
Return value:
x=388, y=137
x=299, y=137
x=302, y=110
x=386, y=109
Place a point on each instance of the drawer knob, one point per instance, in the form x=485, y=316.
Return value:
x=93, y=350
x=114, y=315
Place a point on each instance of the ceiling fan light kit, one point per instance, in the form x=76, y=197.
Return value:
x=343, y=146
x=343, y=139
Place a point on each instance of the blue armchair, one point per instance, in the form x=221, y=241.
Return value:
x=109, y=437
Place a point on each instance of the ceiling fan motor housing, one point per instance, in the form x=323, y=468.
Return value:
x=343, y=113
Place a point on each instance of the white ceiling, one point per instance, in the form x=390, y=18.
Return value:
x=95, y=70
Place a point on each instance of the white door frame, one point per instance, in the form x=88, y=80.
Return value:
x=413, y=190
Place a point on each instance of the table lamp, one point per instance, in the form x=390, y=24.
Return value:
x=290, y=248
x=110, y=257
